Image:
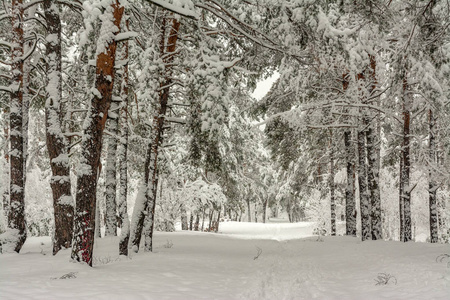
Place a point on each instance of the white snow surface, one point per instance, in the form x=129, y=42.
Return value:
x=196, y=265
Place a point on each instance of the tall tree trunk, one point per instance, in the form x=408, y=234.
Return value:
x=373, y=168
x=405, y=192
x=91, y=144
x=167, y=52
x=124, y=222
x=5, y=195
x=432, y=185
x=362, y=183
x=350, y=203
x=16, y=219
x=111, y=167
x=332, y=187
x=57, y=144
x=364, y=201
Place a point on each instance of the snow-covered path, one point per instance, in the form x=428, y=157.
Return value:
x=193, y=265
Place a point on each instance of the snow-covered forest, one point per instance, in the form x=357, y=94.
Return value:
x=135, y=128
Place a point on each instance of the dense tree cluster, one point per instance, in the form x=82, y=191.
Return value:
x=147, y=105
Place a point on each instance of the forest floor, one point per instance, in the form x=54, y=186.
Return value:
x=293, y=264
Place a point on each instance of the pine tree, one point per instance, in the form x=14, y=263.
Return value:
x=57, y=144
x=16, y=219
x=84, y=224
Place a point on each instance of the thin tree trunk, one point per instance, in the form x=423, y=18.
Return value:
x=91, y=145
x=140, y=210
x=248, y=211
x=350, y=203
x=184, y=221
x=5, y=195
x=373, y=166
x=265, y=209
x=122, y=154
x=191, y=221
x=16, y=219
x=362, y=183
x=203, y=218
x=432, y=185
x=159, y=121
x=57, y=144
x=197, y=221
x=405, y=195
x=332, y=188
x=216, y=229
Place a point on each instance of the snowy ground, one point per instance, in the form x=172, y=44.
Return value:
x=193, y=265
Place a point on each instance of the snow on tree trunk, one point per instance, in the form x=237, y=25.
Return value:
x=167, y=51
x=432, y=185
x=184, y=219
x=216, y=229
x=57, y=145
x=264, y=208
x=110, y=170
x=16, y=218
x=332, y=187
x=405, y=192
x=93, y=127
x=122, y=154
x=6, y=178
x=140, y=207
x=362, y=184
x=197, y=221
x=373, y=163
x=350, y=203
x=249, y=215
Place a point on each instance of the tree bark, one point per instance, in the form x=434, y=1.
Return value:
x=216, y=229
x=167, y=51
x=373, y=166
x=184, y=221
x=362, y=183
x=197, y=221
x=405, y=193
x=5, y=195
x=432, y=185
x=124, y=222
x=265, y=209
x=332, y=187
x=350, y=203
x=248, y=211
x=139, y=213
x=16, y=218
x=57, y=144
x=111, y=167
x=91, y=144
